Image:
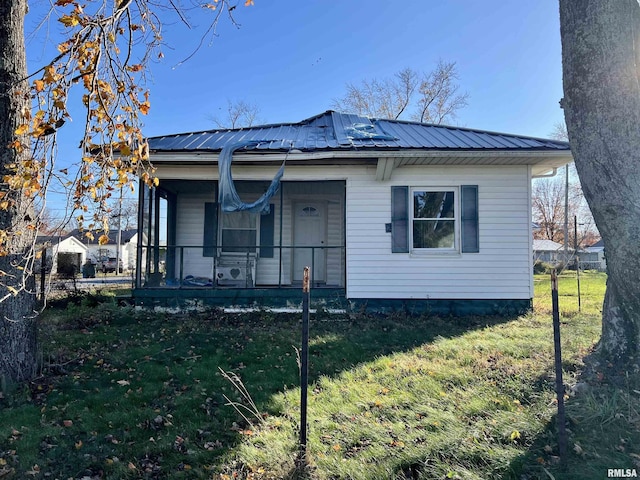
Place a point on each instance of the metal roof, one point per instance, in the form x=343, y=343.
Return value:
x=341, y=131
x=546, y=246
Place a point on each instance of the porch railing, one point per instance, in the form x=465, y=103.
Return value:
x=239, y=266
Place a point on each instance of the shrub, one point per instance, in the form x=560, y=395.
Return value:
x=542, y=267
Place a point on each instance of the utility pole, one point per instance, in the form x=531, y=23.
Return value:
x=119, y=238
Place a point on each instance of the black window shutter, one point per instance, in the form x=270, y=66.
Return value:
x=267, y=228
x=210, y=237
x=469, y=226
x=399, y=219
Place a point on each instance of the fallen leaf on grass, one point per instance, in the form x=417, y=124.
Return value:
x=123, y=383
x=213, y=445
x=35, y=470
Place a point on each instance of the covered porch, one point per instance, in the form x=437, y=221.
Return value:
x=190, y=248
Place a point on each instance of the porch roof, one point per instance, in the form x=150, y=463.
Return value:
x=341, y=131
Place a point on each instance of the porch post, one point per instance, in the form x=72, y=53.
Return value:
x=156, y=231
x=141, y=206
x=280, y=241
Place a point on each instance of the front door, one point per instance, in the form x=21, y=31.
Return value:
x=310, y=230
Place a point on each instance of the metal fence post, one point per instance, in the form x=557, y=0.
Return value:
x=560, y=419
x=304, y=363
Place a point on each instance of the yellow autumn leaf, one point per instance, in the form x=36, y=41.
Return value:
x=103, y=240
x=248, y=3
x=22, y=129
x=69, y=20
x=39, y=85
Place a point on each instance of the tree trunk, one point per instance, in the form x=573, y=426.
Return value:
x=17, y=323
x=601, y=60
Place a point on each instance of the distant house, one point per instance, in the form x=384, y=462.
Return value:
x=388, y=214
x=95, y=251
x=595, y=256
x=64, y=254
x=548, y=251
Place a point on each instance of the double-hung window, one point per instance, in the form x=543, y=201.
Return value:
x=434, y=213
x=239, y=232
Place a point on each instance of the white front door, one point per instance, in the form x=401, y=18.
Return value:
x=310, y=230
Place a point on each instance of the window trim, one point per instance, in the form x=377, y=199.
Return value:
x=456, y=219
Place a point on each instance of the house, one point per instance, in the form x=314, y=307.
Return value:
x=595, y=257
x=549, y=251
x=95, y=251
x=389, y=215
x=64, y=254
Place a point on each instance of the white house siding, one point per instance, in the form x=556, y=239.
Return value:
x=129, y=253
x=501, y=270
x=190, y=232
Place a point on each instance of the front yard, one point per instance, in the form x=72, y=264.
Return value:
x=126, y=394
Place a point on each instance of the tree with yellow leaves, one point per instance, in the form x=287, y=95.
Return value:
x=105, y=53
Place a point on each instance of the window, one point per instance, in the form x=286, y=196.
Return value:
x=433, y=220
x=239, y=232
x=444, y=219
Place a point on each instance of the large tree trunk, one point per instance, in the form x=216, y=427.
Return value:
x=17, y=324
x=601, y=61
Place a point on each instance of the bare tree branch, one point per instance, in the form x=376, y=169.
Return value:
x=434, y=95
x=238, y=114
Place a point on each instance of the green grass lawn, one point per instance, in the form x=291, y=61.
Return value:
x=128, y=394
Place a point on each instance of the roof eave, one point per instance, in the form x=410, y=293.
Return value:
x=548, y=158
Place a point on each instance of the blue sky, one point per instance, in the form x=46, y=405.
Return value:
x=293, y=57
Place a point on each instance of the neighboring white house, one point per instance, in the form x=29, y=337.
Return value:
x=548, y=251
x=388, y=214
x=595, y=257
x=63, y=253
x=95, y=251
